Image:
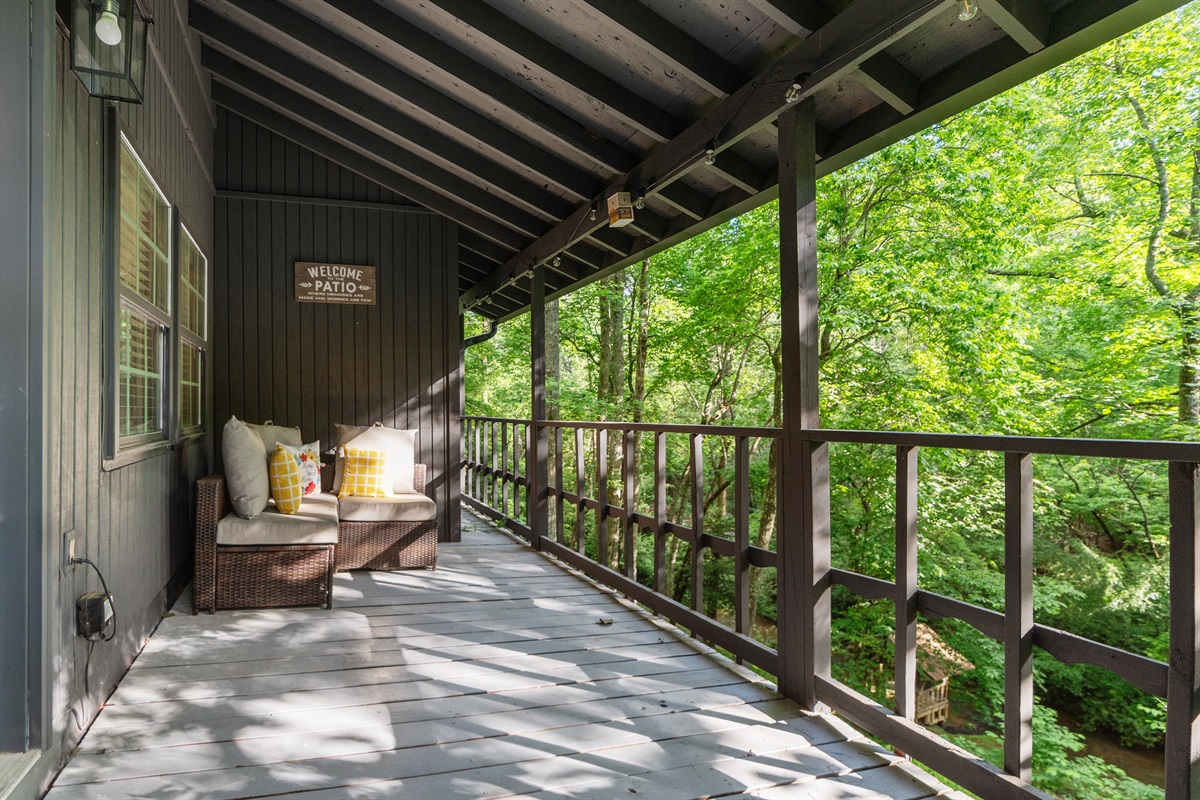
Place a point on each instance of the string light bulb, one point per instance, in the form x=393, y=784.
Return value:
x=592, y=214
x=557, y=261
x=969, y=10
x=710, y=157
x=793, y=93
x=640, y=203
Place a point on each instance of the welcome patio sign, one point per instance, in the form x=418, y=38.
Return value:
x=335, y=283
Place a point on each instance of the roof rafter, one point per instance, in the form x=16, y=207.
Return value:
x=222, y=35
x=1027, y=22
x=290, y=30
x=840, y=47
x=320, y=144
x=701, y=65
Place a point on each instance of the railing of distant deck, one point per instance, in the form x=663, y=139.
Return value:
x=497, y=477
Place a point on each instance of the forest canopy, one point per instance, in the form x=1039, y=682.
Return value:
x=1028, y=267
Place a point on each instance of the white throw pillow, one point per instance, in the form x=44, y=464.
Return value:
x=399, y=445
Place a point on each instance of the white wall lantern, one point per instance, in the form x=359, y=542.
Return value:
x=108, y=47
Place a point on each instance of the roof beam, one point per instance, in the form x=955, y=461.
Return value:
x=1027, y=22
x=486, y=248
x=883, y=75
x=285, y=68
x=433, y=51
x=635, y=110
x=864, y=29
x=322, y=145
x=888, y=80
x=316, y=44
x=674, y=46
x=385, y=152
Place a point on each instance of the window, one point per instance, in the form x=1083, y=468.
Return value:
x=144, y=304
x=193, y=317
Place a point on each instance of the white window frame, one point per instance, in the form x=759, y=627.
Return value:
x=191, y=339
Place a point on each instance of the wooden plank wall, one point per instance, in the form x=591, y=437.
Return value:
x=314, y=365
x=135, y=521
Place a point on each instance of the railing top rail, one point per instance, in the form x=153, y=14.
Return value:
x=1134, y=449
x=507, y=420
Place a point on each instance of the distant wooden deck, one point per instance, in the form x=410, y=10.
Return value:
x=488, y=678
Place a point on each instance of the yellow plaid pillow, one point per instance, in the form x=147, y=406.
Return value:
x=366, y=473
x=287, y=488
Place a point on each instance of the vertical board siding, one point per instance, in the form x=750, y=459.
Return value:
x=312, y=365
x=135, y=521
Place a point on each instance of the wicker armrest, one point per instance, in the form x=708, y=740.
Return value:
x=212, y=503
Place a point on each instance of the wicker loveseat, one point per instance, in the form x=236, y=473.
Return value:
x=289, y=560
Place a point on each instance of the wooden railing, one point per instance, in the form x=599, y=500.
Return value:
x=495, y=473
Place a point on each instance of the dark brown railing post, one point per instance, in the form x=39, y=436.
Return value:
x=602, y=496
x=490, y=494
x=803, y=532
x=536, y=508
x=580, y=488
x=660, y=511
x=697, y=460
x=629, y=529
x=558, y=484
x=1183, y=678
x=503, y=505
x=741, y=536
x=1018, y=615
x=906, y=582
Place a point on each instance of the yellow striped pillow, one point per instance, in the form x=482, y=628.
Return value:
x=366, y=473
x=287, y=488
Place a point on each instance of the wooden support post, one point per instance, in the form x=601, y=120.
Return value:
x=538, y=450
x=697, y=458
x=602, y=496
x=580, y=489
x=803, y=538
x=558, y=485
x=660, y=511
x=520, y=455
x=1018, y=615
x=906, y=582
x=1183, y=677
x=629, y=529
x=741, y=536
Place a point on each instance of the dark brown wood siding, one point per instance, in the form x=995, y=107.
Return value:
x=315, y=365
x=134, y=521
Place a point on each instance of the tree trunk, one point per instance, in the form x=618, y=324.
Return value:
x=1189, y=356
x=766, y=517
x=611, y=393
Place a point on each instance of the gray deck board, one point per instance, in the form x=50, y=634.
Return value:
x=487, y=678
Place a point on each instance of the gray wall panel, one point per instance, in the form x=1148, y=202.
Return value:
x=134, y=521
x=314, y=365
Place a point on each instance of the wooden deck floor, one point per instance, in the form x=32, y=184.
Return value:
x=488, y=678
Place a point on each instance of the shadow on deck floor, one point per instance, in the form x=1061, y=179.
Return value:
x=488, y=678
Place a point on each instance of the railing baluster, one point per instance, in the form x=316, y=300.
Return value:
x=504, y=498
x=558, y=484
x=741, y=536
x=697, y=451
x=519, y=443
x=1018, y=615
x=1183, y=677
x=494, y=456
x=906, y=582
x=660, y=511
x=602, y=496
x=580, y=488
x=629, y=529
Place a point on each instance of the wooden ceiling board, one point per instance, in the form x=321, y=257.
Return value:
x=944, y=42
x=537, y=79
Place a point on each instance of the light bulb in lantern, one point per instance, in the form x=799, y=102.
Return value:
x=108, y=27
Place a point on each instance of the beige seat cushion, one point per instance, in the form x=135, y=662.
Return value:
x=315, y=523
x=407, y=507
